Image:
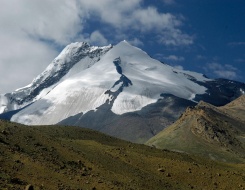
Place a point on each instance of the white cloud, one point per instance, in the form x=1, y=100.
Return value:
x=31, y=31
x=129, y=15
x=151, y=19
x=21, y=61
x=26, y=28
x=174, y=58
x=200, y=57
x=175, y=37
x=179, y=67
x=136, y=42
x=115, y=13
x=226, y=74
x=49, y=20
x=97, y=38
x=236, y=43
x=240, y=60
x=223, y=71
x=169, y=2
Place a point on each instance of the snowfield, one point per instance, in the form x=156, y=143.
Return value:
x=87, y=77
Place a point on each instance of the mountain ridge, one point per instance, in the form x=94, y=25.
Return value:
x=48, y=79
x=120, y=80
x=208, y=131
x=146, y=83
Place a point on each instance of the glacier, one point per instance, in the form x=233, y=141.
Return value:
x=55, y=73
x=84, y=77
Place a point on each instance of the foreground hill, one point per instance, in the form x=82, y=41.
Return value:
x=54, y=157
x=214, y=132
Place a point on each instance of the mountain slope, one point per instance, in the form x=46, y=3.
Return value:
x=53, y=157
x=138, y=126
x=215, y=132
x=111, y=89
x=76, y=56
x=125, y=76
x=236, y=108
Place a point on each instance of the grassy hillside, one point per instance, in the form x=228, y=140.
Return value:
x=55, y=157
x=236, y=108
x=205, y=130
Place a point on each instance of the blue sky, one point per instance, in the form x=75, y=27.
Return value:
x=218, y=29
x=203, y=36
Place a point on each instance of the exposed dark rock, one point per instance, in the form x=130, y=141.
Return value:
x=29, y=187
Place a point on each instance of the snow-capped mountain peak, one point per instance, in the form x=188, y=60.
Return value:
x=124, y=76
x=84, y=78
x=76, y=53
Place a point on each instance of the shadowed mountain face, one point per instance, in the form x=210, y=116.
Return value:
x=140, y=126
x=54, y=157
x=214, y=132
x=137, y=126
x=221, y=91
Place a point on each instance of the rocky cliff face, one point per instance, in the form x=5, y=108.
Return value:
x=53, y=75
x=213, y=128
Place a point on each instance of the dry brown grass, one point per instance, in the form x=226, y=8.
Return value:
x=54, y=157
